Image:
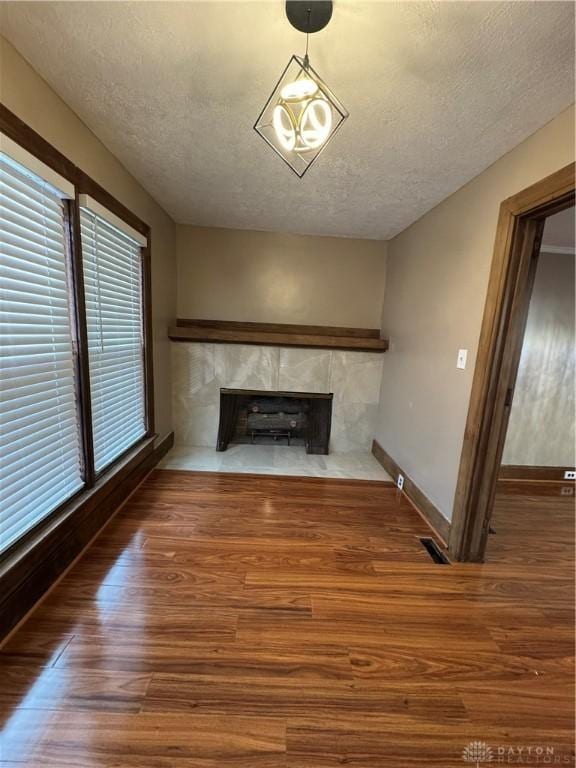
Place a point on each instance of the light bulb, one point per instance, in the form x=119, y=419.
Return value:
x=301, y=116
x=284, y=127
x=315, y=123
x=299, y=89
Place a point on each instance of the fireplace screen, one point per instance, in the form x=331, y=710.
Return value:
x=291, y=418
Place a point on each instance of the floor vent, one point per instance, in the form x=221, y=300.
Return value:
x=435, y=552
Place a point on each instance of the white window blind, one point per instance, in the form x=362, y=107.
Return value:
x=113, y=290
x=40, y=455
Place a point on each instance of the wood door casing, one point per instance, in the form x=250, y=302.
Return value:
x=518, y=231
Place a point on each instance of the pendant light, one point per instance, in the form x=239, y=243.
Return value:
x=302, y=113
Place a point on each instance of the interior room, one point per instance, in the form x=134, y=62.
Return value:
x=287, y=411
x=540, y=437
x=533, y=515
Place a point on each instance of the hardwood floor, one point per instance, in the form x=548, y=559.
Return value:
x=533, y=523
x=267, y=622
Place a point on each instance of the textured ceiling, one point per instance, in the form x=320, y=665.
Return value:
x=437, y=91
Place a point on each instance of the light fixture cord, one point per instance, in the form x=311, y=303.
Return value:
x=306, y=61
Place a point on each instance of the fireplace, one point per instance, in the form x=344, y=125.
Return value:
x=290, y=418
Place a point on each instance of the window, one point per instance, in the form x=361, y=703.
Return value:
x=40, y=441
x=112, y=259
x=74, y=361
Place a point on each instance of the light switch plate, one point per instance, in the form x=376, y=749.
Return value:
x=462, y=357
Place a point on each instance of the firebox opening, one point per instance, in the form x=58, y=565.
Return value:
x=285, y=418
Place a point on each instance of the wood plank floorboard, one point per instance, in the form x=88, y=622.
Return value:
x=225, y=621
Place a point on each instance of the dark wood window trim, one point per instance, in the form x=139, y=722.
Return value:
x=50, y=548
x=80, y=340
x=16, y=561
x=148, y=335
x=13, y=127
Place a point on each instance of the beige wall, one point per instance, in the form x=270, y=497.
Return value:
x=436, y=284
x=541, y=427
x=26, y=94
x=227, y=274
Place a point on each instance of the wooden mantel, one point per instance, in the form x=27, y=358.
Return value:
x=278, y=335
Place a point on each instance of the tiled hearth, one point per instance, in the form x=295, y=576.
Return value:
x=276, y=460
x=200, y=370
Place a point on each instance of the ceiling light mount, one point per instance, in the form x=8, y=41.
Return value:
x=309, y=17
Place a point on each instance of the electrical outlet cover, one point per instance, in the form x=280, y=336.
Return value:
x=400, y=481
x=570, y=475
x=462, y=357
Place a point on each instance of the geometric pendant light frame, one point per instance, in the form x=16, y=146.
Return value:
x=302, y=114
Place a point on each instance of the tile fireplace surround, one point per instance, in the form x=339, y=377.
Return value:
x=200, y=370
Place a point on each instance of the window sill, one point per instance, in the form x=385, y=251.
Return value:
x=30, y=568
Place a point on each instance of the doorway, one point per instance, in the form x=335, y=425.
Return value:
x=532, y=521
x=539, y=444
x=514, y=267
